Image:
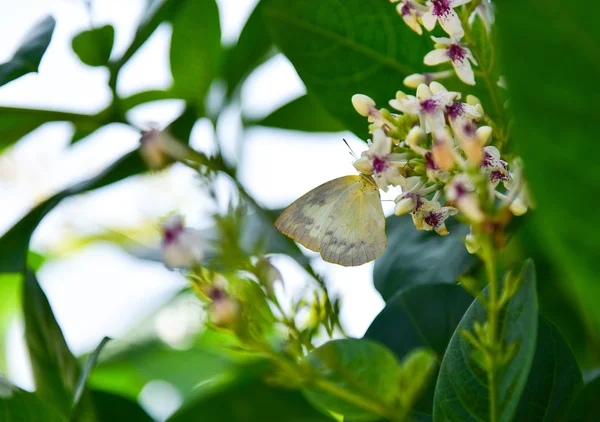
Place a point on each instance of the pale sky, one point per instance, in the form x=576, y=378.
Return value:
x=101, y=290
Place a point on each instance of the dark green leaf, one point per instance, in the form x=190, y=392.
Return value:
x=554, y=379
x=28, y=56
x=93, y=47
x=17, y=405
x=15, y=242
x=304, y=114
x=249, y=51
x=251, y=401
x=340, y=49
x=361, y=368
x=420, y=257
x=555, y=126
x=462, y=392
x=195, y=48
x=89, y=365
x=55, y=368
x=586, y=407
x=114, y=408
x=421, y=316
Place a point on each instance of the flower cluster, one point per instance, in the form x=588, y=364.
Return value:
x=446, y=49
x=438, y=145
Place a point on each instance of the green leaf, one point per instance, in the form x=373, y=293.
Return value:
x=195, y=48
x=127, y=372
x=462, y=393
x=15, y=242
x=250, y=401
x=18, y=122
x=17, y=405
x=114, y=408
x=586, y=407
x=28, y=56
x=93, y=47
x=304, y=114
x=417, y=317
x=89, y=365
x=10, y=288
x=55, y=369
x=359, y=368
x=343, y=48
x=553, y=102
x=553, y=381
x=420, y=257
x=251, y=48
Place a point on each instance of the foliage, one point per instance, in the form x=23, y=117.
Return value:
x=463, y=335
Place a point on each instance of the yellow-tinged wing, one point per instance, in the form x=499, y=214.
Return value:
x=342, y=219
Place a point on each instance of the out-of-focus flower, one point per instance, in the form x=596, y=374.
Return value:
x=181, y=246
x=461, y=190
x=223, y=311
x=158, y=149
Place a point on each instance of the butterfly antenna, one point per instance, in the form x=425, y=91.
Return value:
x=351, y=151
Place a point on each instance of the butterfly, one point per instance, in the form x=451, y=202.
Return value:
x=342, y=219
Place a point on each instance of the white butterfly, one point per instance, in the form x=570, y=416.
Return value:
x=342, y=219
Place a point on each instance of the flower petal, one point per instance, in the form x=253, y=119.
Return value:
x=437, y=56
x=464, y=71
x=429, y=20
x=450, y=22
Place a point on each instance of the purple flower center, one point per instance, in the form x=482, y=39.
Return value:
x=461, y=190
x=434, y=219
x=469, y=129
x=429, y=161
x=216, y=294
x=172, y=233
x=418, y=202
x=380, y=164
x=456, y=52
x=441, y=7
x=455, y=110
x=497, y=176
x=429, y=105
x=406, y=10
x=487, y=159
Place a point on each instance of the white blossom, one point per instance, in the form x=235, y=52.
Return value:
x=379, y=161
x=449, y=50
x=411, y=12
x=442, y=11
x=181, y=246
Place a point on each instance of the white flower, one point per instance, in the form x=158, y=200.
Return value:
x=448, y=50
x=380, y=162
x=158, y=148
x=443, y=11
x=416, y=79
x=430, y=215
x=181, y=246
x=462, y=119
x=411, y=11
x=495, y=167
x=461, y=190
x=429, y=104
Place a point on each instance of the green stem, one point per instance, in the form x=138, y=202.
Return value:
x=492, y=314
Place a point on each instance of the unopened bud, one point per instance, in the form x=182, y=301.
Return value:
x=443, y=154
x=437, y=87
x=469, y=206
x=364, y=165
x=362, y=104
x=473, y=150
x=400, y=95
x=415, y=136
x=471, y=243
x=517, y=207
x=404, y=206
x=414, y=80
x=484, y=135
x=472, y=100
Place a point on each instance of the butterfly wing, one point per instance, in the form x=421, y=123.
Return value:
x=342, y=219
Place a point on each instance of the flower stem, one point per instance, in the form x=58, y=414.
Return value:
x=492, y=314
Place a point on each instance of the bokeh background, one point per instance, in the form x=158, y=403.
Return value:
x=96, y=287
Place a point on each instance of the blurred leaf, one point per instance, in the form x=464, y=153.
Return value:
x=250, y=401
x=586, y=407
x=114, y=408
x=553, y=381
x=461, y=393
x=146, y=97
x=93, y=47
x=421, y=316
x=561, y=112
x=195, y=48
x=28, y=56
x=420, y=257
x=89, y=365
x=18, y=122
x=55, y=369
x=127, y=372
x=17, y=405
x=359, y=367
x=249, y=51
x=303, y=114
x=10, y=286
x=16, y=240
x=340, y=49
